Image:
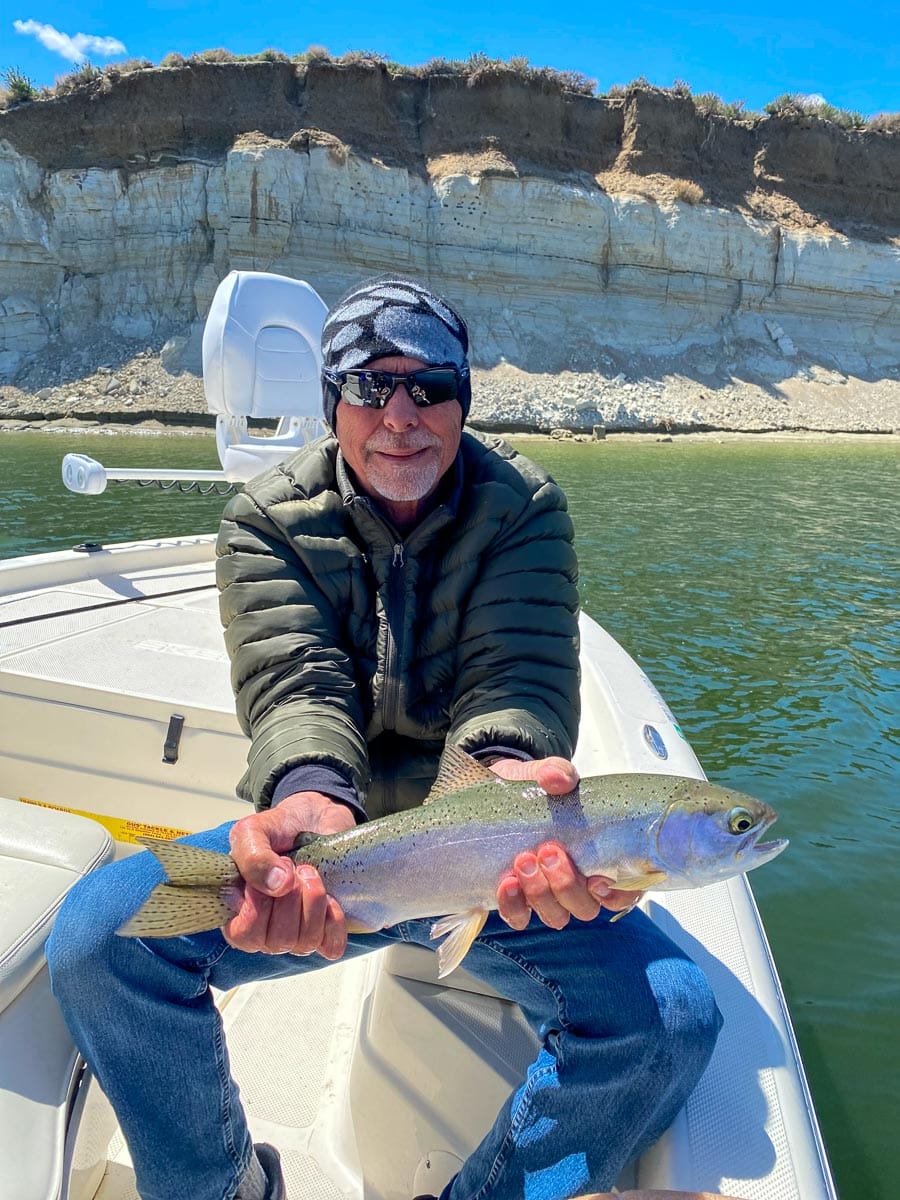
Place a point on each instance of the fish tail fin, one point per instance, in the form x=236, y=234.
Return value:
x=462, y=929
x=191, y=866
x=171, y=911
x=190, y=900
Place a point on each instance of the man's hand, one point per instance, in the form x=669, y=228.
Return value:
x=284, y=908
x=546, y=881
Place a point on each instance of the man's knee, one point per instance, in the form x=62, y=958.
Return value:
x=688, y=1017
x=81, y=940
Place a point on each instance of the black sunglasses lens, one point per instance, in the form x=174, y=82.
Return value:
x=435, y=386
x=359, y=390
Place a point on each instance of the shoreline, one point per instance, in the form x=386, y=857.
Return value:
x=110, y=426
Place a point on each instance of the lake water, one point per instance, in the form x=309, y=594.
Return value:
x=757, y=584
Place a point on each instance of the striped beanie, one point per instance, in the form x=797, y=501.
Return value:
x=392, y=316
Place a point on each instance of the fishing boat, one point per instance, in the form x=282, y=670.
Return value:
x=117, y=720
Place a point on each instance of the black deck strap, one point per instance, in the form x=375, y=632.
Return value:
x=69, y=612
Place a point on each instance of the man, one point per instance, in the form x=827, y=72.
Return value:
x=400, y=586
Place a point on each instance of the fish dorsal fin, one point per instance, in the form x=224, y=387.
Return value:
x=461, y=929
x=458, y=770
x=190, y=866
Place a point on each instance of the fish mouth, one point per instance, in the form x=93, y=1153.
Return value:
x=760, y=852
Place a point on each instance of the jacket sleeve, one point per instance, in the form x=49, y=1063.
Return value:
x=518, y=675
x=293, y=679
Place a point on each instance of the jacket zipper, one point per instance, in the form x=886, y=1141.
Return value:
x=391, y=649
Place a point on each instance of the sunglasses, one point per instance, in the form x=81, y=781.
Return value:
x=373, y=389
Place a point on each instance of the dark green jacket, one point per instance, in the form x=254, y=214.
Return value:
x=353, y=648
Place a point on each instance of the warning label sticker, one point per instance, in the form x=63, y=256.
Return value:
x=121, y=829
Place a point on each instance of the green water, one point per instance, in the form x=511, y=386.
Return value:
x=757, y=584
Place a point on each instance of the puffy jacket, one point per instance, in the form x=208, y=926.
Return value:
x=350, y=643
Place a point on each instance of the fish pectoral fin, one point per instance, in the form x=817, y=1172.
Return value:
x=462, y=929
x=191, y=866
x=640, y=883
x=636, y=883
x=356, y=926
x=623, y=912
x=177, y=911
x=458, y=770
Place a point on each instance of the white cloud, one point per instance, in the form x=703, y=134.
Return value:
x=814, y=101
x=75, y=49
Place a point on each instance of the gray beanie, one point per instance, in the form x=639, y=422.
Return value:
x=392, y=316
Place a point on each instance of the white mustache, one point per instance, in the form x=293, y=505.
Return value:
x=388, y=445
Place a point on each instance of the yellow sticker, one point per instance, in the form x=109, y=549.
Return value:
x=121, y=830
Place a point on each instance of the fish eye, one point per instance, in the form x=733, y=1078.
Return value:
x=740, y=820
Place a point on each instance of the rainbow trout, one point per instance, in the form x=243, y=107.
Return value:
x=447, y=857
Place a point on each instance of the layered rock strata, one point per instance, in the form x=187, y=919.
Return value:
x=115, y=219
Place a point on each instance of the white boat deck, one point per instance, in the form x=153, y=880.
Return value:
x=293, y=1084
x=98, y=652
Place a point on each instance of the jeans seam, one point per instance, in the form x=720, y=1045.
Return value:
x=533, y=973
x=516, y=1120
x=205, y=964
x=224, y=1084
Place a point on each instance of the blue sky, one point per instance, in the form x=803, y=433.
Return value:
x=849, y=55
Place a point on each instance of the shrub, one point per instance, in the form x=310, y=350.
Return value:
x=130, y=65
x=480, y=66
x=362, y=58
x=792, y=106
x=565, y=81
x=686, y=190
x=885, y=123
x=708, y=104
x=838, y=116
x=75, y=81
x=174, y=60
x=219, y=55
x=788, y=106
x=271, y=55
x=113, y=72
x=313, y=54
x=440, y=66
x=18, y=86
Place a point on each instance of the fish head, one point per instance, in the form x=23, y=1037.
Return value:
x=709, y=833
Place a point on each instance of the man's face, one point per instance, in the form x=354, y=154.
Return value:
x=399, y=453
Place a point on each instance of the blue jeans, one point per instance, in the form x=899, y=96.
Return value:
x=626, y=1024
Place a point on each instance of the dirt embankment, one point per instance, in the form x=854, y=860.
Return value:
x=804, y=173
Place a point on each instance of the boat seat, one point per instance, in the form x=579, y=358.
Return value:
x=262, y=358
x=42, y=853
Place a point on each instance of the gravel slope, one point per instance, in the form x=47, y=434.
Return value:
x=123, y=383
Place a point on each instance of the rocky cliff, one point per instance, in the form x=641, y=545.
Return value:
x=595, y=237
